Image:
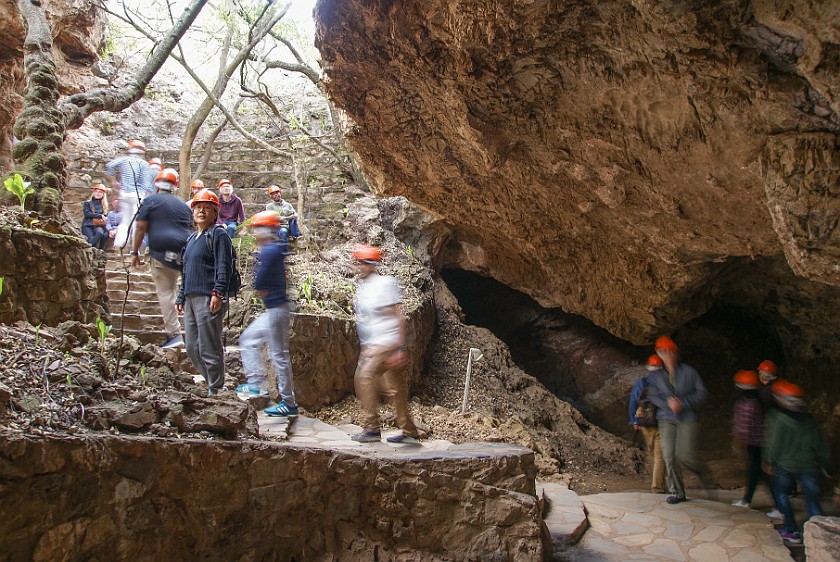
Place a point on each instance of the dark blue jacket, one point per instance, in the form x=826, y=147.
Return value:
x=207, y=264
x=689, y=389
x=270, y=275
x=92, y=209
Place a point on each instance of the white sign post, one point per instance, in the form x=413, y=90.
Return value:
x=474, y=355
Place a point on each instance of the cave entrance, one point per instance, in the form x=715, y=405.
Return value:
x=575, y=359
x=572, y=357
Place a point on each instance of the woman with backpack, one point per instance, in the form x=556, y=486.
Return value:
x=206, y=278
x=643, y=418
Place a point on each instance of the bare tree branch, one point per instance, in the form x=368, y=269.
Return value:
x=79, y=106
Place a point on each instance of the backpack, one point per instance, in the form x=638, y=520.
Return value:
x=645, y=411
x=234, y=277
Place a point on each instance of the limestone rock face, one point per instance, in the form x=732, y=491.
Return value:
x=822, y=538
x=78, y=30
x=621, y=159
x=117, y=498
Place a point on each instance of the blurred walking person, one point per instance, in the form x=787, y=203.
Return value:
x=381, y=367
x=677, y=391
x=748, y=431
x=271, y=328
x=796, y=452
x=132, y=178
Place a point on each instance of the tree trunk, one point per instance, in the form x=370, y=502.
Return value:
x=200, y=115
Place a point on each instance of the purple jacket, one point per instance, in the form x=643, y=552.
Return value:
x=231, y=210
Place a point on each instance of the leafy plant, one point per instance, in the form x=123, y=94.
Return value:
x=143, y=375
x=2, y=279
x=410, y=252
x=20, y=188
x=305, y=289
x=104, y=330
x=38, y=332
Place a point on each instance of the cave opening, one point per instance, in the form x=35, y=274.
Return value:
x=575, y=359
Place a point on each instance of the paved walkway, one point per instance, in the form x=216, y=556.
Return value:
x=607, y=527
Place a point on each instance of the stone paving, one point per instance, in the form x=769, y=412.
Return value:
x=641, y=526
x=607, y=527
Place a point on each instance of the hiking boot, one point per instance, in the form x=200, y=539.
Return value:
x=212, y=392
x=792, y=537
x=281, y=410
x=250, y=390
x=367, y=437
x=740, y=503
x=401, y=438
x=174, y=341
x=676, y=499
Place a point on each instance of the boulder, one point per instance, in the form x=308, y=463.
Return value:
x=822, y=539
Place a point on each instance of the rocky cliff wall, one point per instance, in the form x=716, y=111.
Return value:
x=623, y=160
x=78, y=31
x=155, y=499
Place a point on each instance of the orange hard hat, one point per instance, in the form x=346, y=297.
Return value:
x=664, y=343
x=205, y=196
x=224, y=182
x=273, y=189
x=157, y=161
x=768, y=367
x=99, y=187
x=787, y=388
x=746, y=379
x=367, y=253
x=136, y=145
x=197, y=184
x=168, y=174
x=655, y=361
x=266, y=218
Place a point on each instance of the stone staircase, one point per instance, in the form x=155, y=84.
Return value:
x=139, y=315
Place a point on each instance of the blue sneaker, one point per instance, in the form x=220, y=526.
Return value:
x=249, y=390
x=282, y=410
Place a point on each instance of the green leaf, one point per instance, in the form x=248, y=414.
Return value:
x=20, y=188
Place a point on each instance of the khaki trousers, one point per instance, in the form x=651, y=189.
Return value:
x=166, y=285
x=657, y=483
x=374, y=379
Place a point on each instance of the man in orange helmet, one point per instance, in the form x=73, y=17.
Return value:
x=288, y=215
x=643, y=419
x=168, y=222
x=677, y=391
x=133, y=180
x=205, y=282
x=381, y=330
x=271, y=328
x=795, y=451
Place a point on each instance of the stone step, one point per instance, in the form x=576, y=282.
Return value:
x=563, y=513
x=135, y=285
x=143, y=307
x=138, y=323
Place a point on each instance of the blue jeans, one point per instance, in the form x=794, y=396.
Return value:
x=784, y=483
x=270, y=328
x=230, y=226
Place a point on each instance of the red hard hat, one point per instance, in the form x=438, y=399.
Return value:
x=746, y=379
x=768, y=367
x=367, y=253
x=100, y=187
x=266, y=218
x=664, y=343
x=197, y=184
x=205, y=196
x=273, y=189
x=138, y=144
x=655, y=361
x=787, y=388
x=224, y=182
x=168, y=174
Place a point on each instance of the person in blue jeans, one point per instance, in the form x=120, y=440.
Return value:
x=231, y=210
x=271, y=328
x=796, y=452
